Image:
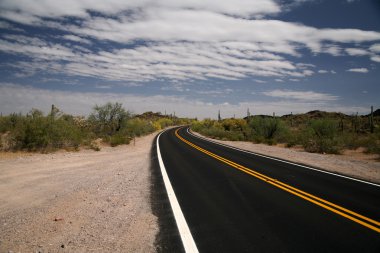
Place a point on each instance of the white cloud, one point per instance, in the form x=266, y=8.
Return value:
x=356, y=51
x=216, y=92
x=184, y=40
x=358, y=70
x=332, y=49
x=375, y=48
x=323, y=71
x=103, y=86
x=176, y=61
x=200, y=26
x=375, y=58
x=189, y=20
x=301, y=95
x=80, y=8
x=76, y=38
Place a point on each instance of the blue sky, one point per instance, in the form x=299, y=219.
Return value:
x=192, y=57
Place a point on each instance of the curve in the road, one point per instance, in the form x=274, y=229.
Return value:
x=358, y=218
x=235, y=201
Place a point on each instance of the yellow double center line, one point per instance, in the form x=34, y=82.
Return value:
x=358, y=218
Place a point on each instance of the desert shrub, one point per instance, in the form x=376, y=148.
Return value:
x=32, y=133
x=268, y=130
x=291, y=137
x=197, y=126
x=321, y=136
x=371, y=143
x=138, y=127
x=8, y=123
x=164, y=122
x=156, y=125
x=119, y=139
x=36, y=132
x=227, y=129
x=236, y=125
x=373, y=147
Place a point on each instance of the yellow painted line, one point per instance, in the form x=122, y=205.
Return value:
x=358, y=218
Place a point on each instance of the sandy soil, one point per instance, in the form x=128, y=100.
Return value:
x=83, y=201
x=350, y=163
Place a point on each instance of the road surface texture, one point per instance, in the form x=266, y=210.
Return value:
x=235, y=201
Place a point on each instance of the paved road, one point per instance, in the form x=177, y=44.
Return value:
x=239, y=202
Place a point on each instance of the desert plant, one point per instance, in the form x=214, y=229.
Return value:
x=108, y=119
x=267, y=129
x=137, y=127
x=119, y=139
x=321, y=137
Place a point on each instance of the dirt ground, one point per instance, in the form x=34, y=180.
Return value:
x=83, y=201
x=351, y=163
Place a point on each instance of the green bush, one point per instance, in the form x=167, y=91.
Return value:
x=268, y=129
x=138, y=127
x=371, y=143
x=227, y=129
x=119, y=139
x=321, y=136
x=37, y=132
x=164, y=122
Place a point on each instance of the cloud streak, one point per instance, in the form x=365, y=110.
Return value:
x=182, y=40
x=359, y=70
x=301, y=95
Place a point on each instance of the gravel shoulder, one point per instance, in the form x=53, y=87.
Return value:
x=350, y=163
x=84, y=201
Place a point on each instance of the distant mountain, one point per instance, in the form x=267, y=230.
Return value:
x=316, y=115
x=152, y=115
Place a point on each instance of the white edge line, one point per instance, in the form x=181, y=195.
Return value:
x=276, y=159
x=183, y=228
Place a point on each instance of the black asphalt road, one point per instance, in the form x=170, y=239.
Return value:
x=228, y=210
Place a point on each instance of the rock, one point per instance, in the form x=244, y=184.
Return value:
x=63, y=246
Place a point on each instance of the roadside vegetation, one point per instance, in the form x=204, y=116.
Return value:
x=316, y=131
x=110, y=124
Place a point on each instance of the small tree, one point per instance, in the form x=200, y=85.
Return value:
x=108, y=119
